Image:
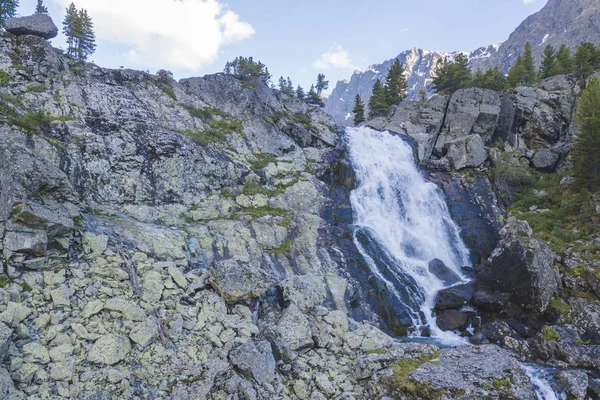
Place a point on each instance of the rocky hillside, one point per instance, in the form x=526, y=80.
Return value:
x=571, y=22
x=187, y=240
x=503, y=160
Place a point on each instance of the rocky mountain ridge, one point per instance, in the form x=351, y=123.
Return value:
x=571, y=22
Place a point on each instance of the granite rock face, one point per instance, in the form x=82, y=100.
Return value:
x=37, y=25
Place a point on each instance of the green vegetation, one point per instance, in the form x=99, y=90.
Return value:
x=79, y=30
x=32, y=122
x=523, y=72
x=41, y=8
x=283, y=249
x=252, y=189
x=248, y=70
x=452, y=75
x=36, y=88
x=587, y=143
x=4, y=78
x=163, y=82
x=286, y=86
x=4, y=281
x=389, y=93
x=400, y=382
x=26, y=287
x=378, y=102
x=558, y=305
x=8, y=10
x=358, y=110
x=259, y=212
x=262, y=160
x=207, y=113
x=300, y=93
x=216, y=133
x=548, y=333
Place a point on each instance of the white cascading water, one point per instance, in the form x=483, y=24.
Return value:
x=540, y=379
x=395, y=206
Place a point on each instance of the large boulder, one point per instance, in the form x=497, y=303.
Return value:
x=255, y=361
x=38, y=25
x=454, y=297
x=476, y=372
x=237, y=281
x=442, y=272
x=522, y=266
x=545, y=160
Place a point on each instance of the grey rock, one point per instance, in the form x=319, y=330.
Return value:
x=305, y=291
x=38, y=25
x=109, y=350
x=451, y=320
x=522, y=266
x=545, y=160
x=468, y=370
x=237, y=281
x=443, y=273
x=5, y=335
x=573, y=383
x=255, y=360
x=467, y=152
x=455, y=297
x=291, y=334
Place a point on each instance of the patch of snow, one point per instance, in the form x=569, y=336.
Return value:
x=348, y=116
x=544, y=39
x=343, y=99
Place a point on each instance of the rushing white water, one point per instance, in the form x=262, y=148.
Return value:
x=540, y=379
x=402, y=223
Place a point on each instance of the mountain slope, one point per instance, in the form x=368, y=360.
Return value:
x=561, y=21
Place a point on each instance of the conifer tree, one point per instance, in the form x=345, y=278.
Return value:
x=87, y=43
x=378, y=105
x=530, y=72
x=314, y=98
x=41, y=8
x=564, y=62
x=452, y=75
x=584, y=59
x=300, y=93
x=322, y=84
x=248, y=70
x=358, y=110
x=587, y=142
x=548, y=66
x=8, y=9
x=517, y=75
x=286, y=86
x=395, y=83
x=72, y=29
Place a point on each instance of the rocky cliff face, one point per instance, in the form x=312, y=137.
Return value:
x=571, y=22
x=183, y=240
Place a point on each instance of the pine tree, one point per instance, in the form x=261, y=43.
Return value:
x=8, y=9
x=517, y=75
x=314, y=98
x=41, y=8
x=322, y=84
x=395, y=83
x=358, y=110
x=584, y=58
x=587, y=142
x=478, y=78
x=548, y=67
x=564, y=62
x=452, y=75
x=286, y=86
x=248, y=70
x=87, y=43
x=72, y=29
x=493, y=79
x=378, y=105
x=300, y=93
x=530, y=75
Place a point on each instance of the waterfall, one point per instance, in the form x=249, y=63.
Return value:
x=540, y=380
x=401, y=223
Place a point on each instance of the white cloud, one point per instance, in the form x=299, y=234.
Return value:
x=178, y=34
x=335, y=58
x=527, y=2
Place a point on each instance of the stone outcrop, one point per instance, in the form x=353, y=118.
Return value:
x=37, y=25
x=522, y=266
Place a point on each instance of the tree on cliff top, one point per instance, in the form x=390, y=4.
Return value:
x=587, y=142
x=8, y=9
x=41, y=8
x=248, y=70
x=359, y=110
x=395, y=84
x=79, y=30
x=452, y=75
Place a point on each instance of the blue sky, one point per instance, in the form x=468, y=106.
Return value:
x=293, y=38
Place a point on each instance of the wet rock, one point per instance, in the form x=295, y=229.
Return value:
x=109, y=350
x=545, y=160
x=522, y=266
x=443, y=273
x=237, y=281
x=455, y=297
x=38, y=25
x=255, y=361
x=451, y=320
x=305, y=291
x=491, y=301
x=469, y=371
x=493, y=332
x=573, y=383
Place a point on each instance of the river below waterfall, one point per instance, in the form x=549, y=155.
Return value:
x=402, y=223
